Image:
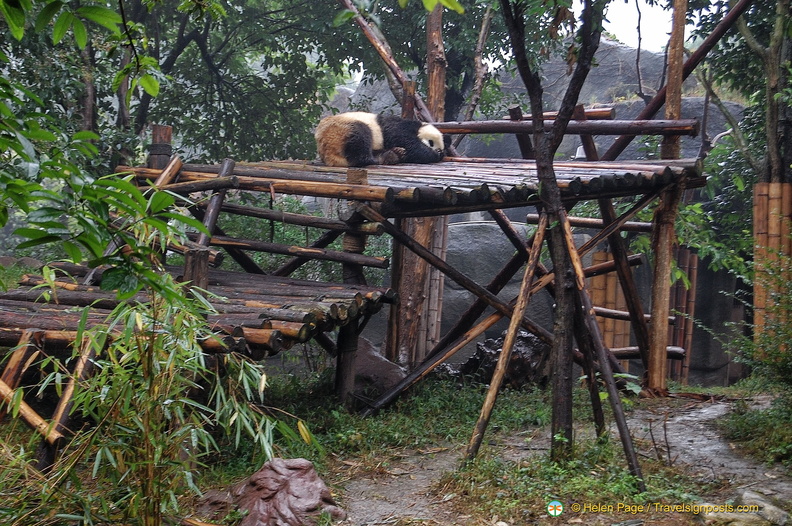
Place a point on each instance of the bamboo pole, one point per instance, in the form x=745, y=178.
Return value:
x=691, y=312
x=30, y=344
x=82, y=369
x=29, y=415
x=312, y=253
x=170, y=172
x=508, y=344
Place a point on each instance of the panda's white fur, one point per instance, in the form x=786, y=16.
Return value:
x=360, y=138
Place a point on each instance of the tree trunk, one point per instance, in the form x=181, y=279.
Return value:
x=670, y=147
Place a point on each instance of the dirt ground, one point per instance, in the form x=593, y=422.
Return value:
x=400, y=493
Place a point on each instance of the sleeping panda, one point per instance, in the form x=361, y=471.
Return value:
x=357, y=138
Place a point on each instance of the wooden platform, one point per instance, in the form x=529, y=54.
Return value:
x=456, y=185
x=257, y=315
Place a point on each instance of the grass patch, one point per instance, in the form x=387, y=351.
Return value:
x=435, y=411
x=764, y=433
x=518, y=492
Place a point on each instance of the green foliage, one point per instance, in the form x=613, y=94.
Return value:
x=436, y=412
x=154, y=400
x=764, y=433
x=732, y=61
x=519, y=491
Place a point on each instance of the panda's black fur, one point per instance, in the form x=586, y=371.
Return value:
x=361, y=139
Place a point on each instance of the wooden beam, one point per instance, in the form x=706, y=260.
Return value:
x=633, y=127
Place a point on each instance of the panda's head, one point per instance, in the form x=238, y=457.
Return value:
x=431, y=136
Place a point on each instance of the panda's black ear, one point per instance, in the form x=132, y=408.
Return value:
x=447, y=140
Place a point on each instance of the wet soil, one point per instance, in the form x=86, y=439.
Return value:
x=404, y=491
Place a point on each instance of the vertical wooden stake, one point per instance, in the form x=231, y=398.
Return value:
x=523, y=139
x=160, y=150
x=348, y=335
x=663, y=238
x=670, y=147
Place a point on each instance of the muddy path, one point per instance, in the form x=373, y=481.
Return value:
x=404, y=491
x=689, y=435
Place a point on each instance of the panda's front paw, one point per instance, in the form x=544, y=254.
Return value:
x=393, y=156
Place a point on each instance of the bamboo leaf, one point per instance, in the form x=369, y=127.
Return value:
x=262, y=384
x=15, y=18
x=305, y=434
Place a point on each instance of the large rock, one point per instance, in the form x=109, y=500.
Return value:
x=281, y=493
x=374, y=373
x=761, y=513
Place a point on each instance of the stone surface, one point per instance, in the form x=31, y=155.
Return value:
x=281, y=493
x=374, y=373
x=767, y=510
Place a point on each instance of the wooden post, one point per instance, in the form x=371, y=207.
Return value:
x=670, y=146
x=663, y=239
x=215, y=203
x=436, y=65
x=348, y=335
x=523, y=139
x=196, y=267
x=160, y=149
x=415, y=327
x=589, y=146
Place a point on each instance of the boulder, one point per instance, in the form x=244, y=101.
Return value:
x=767, y=510
x=374, y=373
x=281, y=493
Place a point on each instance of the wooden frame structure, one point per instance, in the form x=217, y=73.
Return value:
x=261, y=314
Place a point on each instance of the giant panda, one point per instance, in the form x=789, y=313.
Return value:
x=357, y=138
